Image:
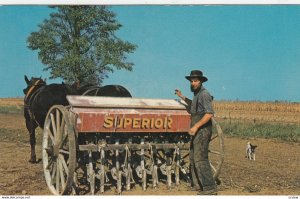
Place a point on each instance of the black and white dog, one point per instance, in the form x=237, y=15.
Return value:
x=250, y=151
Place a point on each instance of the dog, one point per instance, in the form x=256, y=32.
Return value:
x=250, y=151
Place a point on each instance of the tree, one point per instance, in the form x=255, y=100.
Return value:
x=78, y=44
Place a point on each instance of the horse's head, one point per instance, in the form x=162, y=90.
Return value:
x=33, y=82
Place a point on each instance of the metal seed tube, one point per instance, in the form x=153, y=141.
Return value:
x=118, y=172
x=154, y=169
x=144, y=174
x=169, y=171
x=129, y=170
x=102, y=170
x=177, y=157
x=91, y=174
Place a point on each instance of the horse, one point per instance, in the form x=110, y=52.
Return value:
x=107, y=90
x=90, y=89
x=39, y=98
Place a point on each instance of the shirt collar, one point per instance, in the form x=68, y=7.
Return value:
x=199, y=90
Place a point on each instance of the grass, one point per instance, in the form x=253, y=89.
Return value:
x=246, y=129
x=11, y=109
x=19, y=135
x=14, y=135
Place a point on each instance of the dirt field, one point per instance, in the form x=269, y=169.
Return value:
x=275, y=171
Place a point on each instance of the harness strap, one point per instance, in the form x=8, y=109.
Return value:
x=27, y=103
x=31, y=89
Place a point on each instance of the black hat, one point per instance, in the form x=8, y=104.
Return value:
x=197, y=74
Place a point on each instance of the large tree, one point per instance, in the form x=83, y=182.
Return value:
x=79, y=44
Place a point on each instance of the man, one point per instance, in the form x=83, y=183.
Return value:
x=201, y=130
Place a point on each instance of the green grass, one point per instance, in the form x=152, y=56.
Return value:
x=287, y=132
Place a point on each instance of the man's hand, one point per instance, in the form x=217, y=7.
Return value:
x=178, y=93
x=193, y=131
x=187, y=100
x=200, y=123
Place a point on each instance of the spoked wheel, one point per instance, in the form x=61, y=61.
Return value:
x=216, y=150
x=59, y=151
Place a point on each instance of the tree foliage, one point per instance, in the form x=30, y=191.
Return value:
x=79, y=44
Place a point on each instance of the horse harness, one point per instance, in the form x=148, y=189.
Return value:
x=31, y=96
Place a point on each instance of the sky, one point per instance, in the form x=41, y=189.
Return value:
x=246, y=52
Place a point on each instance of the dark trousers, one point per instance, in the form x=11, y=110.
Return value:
x=199, y=164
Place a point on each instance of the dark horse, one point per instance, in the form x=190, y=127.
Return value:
x=108, y=90
x=39, y=98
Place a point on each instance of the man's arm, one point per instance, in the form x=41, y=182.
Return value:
x=187, y=100
x=200, y=123
x=206, y=101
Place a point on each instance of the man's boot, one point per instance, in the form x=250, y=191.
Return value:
x=208, y=192
x=203, y=171
x=195, y=184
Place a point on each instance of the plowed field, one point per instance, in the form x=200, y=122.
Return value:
x=274, y=172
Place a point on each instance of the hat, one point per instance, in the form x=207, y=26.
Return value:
x=197, y=74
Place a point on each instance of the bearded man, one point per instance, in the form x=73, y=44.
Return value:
x=201, y=131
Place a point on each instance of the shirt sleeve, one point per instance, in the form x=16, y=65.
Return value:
x=189, y=104
x=206, y=102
